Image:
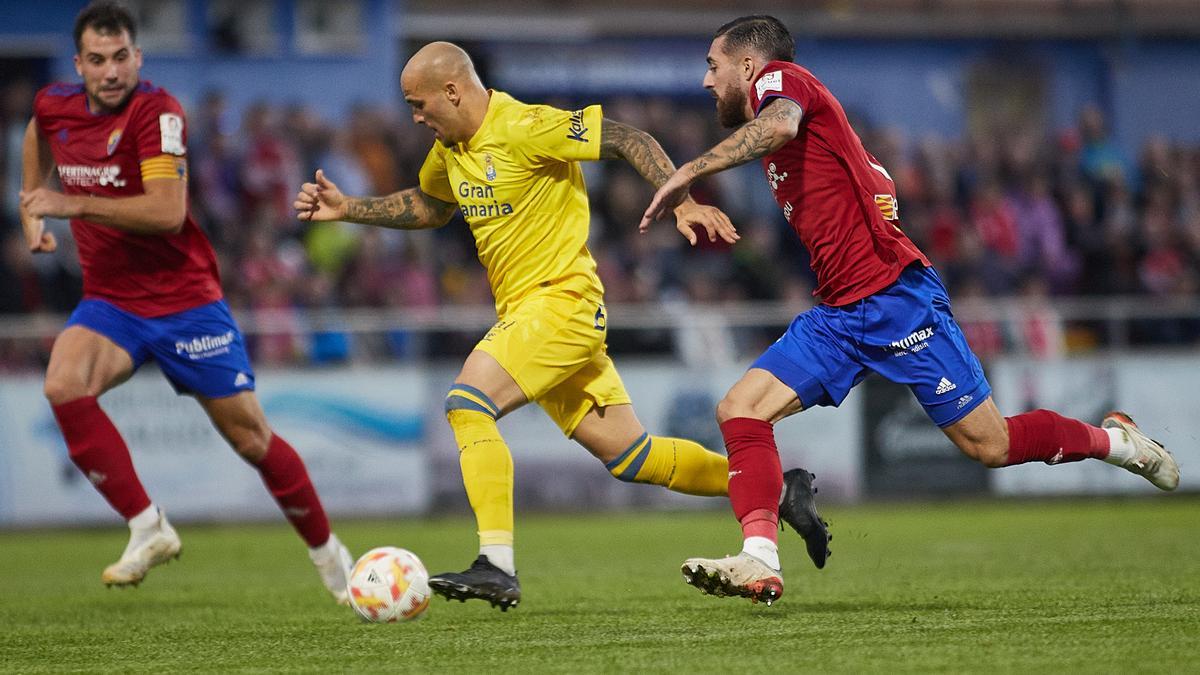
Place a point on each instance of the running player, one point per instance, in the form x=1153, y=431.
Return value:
x=513, y=171
x=151, y=291
x=883, y=309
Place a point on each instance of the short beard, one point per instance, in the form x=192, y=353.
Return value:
x=104, y=107
x=731, y=108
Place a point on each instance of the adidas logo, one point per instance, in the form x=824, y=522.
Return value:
x=241, y=380
x=945, y=386
x=96, y=477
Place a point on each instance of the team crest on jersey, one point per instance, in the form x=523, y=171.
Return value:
x=113, y=139
x=489, y=169
x=772, y=81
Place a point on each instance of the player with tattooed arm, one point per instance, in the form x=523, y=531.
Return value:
x=883, y=307
x=512, y=170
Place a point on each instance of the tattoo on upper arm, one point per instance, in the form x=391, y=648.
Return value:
x=757, y=138
x=442, y=211
x=638, y=148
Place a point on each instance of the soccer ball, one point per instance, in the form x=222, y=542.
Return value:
x=389, y=584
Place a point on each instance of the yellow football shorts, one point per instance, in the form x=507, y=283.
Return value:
x=552, y=344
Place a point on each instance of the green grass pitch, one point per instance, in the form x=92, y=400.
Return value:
x=957, y=586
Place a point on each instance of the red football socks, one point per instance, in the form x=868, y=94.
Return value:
x=97, y=448
x=286, y=478
x=1044, y=435
x=755, y=476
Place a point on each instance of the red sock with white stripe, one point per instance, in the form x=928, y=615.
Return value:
x=755, y=480
x=97, y=448
x=1044, y=435
x=287, y=479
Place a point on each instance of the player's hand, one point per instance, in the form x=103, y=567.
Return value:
x=321, y=200
x=36, y=236
x=690, y=215
x=42, y=203
x=669, y=196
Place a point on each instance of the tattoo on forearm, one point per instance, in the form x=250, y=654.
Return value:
x=401, y=210
x=757, y=138
x=638, y=148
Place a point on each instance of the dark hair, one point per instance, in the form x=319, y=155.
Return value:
x=761, y=33
x=106, y=17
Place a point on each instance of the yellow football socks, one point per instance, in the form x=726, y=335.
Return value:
x=487, y=467
x=675, y=463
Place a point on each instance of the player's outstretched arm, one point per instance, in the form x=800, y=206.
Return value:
x=36, y=164
x=644, y=154
x=409, y=209
x=776, y=124
x=647, y=157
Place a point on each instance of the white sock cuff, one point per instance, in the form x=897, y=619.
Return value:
x=501, y=556
x=331, y=544
x=764, y=549
x=145, y=520
x=1120, y=446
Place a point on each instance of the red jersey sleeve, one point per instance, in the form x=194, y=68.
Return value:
x=39, y=110
x=49, y=106
x=159, y=128
x=776, y=81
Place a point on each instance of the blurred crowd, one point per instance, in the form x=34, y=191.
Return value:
x=1031, y=214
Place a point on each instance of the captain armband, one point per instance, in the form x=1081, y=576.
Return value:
x=164, y=166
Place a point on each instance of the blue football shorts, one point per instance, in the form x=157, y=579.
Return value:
x=905, y=332
x=200, y=350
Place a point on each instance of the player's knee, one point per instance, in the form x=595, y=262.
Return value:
x=992, y=453
x=731, y=407
x=735, y=405
x=251, y=442
x=59, y=390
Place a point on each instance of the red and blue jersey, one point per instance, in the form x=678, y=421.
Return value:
x=839, y=200
x=109, y=155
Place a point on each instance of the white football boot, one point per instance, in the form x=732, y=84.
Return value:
x=146, y=549
x=1152, y=461
x=333, y=562
x=741, y=575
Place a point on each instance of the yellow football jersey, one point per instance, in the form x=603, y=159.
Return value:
x=520, y=188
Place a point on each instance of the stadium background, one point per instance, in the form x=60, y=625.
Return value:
x=1047, y=158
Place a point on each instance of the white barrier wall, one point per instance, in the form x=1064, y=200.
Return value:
x=361, y=433
x=377, y=444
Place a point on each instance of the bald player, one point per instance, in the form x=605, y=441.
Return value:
x=512, y=170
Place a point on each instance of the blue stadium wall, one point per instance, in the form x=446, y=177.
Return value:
x=917, y=85
x=1146, y=87
x=330, y=84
